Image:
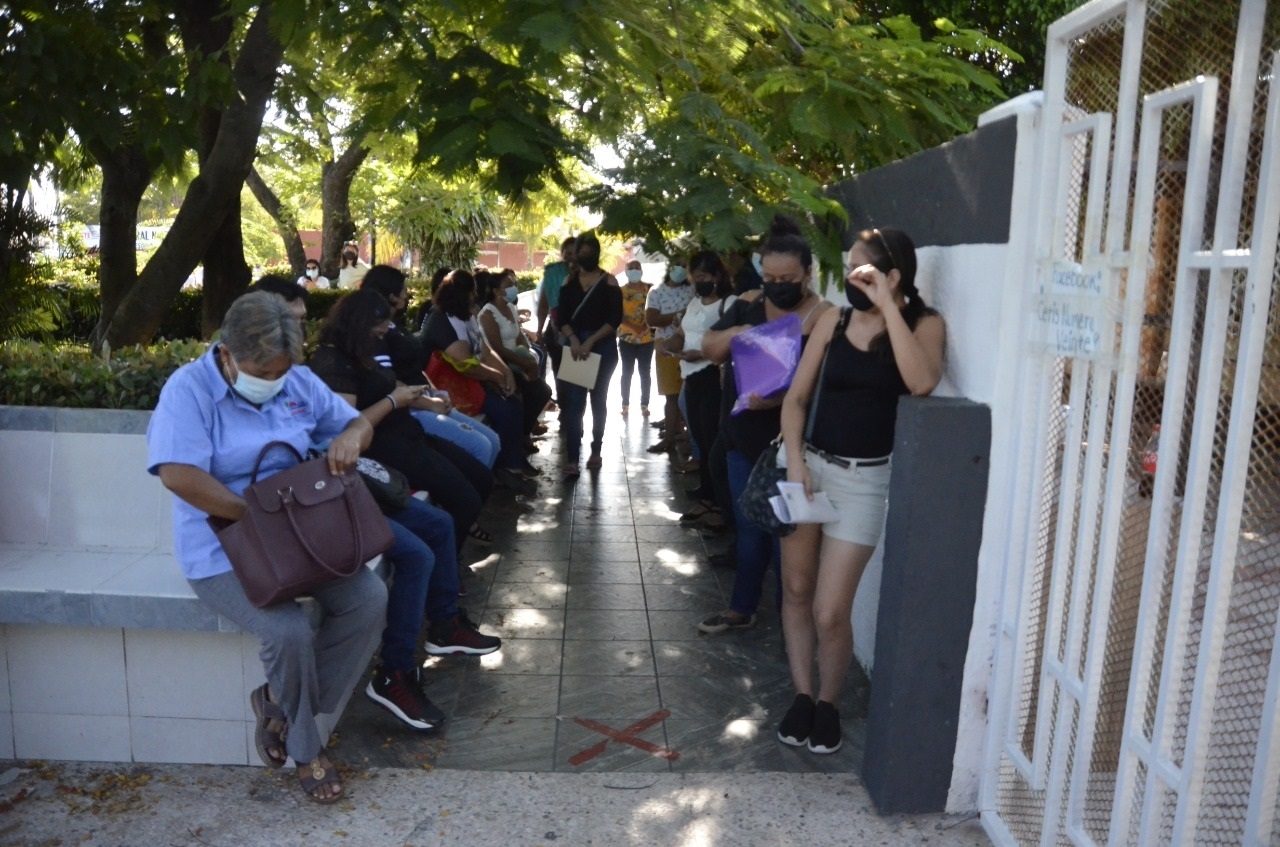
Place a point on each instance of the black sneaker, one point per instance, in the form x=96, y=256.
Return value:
x=825, y=735
x=797, y=722
x=459, y=635
x=401, y=694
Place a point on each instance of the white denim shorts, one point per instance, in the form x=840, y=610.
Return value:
x=860, y=494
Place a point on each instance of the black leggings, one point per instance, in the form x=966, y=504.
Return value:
x=702, y=402
x=534, y=393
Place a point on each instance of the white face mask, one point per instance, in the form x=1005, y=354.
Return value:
x=634, y=275
x=312, y=273
x=255, y=389
x=677, y=274
x=512, y=293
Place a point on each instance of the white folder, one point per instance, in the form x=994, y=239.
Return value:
x=583, y=372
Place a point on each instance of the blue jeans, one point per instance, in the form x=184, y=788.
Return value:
x=573, y=403
x=639, y=358
x=426, y=578
x=478, y=440
x=506, y=417
x=755, y=547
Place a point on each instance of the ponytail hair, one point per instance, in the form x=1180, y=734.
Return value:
x=784, y=236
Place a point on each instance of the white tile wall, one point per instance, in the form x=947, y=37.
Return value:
x=65, y=670
x=104, y=494
x=164, y=522
x=184, y=674
x=24, y=509
x=77, y=738
x=189, y=741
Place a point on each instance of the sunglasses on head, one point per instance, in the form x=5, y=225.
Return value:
x=887, y=249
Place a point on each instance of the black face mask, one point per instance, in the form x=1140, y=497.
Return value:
x=350, y=257
x=784, y=295
x=589, y=262
x=704, y=289
x=858, y=298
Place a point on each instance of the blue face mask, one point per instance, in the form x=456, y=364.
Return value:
x=678, y=274
x=512, y=293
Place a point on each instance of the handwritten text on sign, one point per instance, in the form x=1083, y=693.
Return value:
x=1071, y=316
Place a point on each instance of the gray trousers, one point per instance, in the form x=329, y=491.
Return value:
x=305, y=669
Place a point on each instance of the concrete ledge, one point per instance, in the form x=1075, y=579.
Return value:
x=106, y=654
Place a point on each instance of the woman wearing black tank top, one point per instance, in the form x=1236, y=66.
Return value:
x=888, y=343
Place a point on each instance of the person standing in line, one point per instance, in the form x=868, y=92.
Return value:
x=635, y=338
x=548, y=311
x=667, y=302
x=590, y=313
x=885, y=344
x=713, y=296
x=788, y=268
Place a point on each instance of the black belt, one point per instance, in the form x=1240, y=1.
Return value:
x=841, y=462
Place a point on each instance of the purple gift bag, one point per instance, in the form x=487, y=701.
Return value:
x=765, y=359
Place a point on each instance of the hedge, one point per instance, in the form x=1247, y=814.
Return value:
x=81, y=307
x=70, y=377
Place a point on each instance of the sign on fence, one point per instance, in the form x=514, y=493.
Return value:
x=1072, y=316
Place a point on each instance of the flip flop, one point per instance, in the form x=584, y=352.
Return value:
x=265, y=739
x=313, y=776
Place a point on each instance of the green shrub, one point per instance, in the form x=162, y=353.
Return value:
x=70, y=377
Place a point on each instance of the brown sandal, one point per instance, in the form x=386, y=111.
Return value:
x=264, y=738
x=314, y=776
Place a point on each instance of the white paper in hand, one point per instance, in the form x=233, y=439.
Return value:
x=579, y=372
x=791, y=506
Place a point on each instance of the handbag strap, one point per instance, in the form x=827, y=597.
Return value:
x=587, y=297
x=287, y=499
x=265, y=450
x=841, y=325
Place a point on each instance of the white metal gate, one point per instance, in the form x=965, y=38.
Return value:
x=1136, y=694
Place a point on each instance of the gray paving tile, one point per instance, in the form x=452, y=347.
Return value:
x=524, y=623
x=604, y=572
x=593, y=533
x=721, y=655
x=490, y=695
x=522, y=656
x=615, y=698
x=606, y=625
x=668, y=533
x=499, y=744
x=527, y=595
x=692, y=550
x=760, y=696
x=537, y=551
x=676, y=626
x=607, y=658
x=675, y=570
x=598, y=753
x=541, y=572
x=593, y=552
x=594, y=595
x=689, y=595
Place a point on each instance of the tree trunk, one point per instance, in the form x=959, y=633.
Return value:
x=335, y=197
x=226, y=274
x=125, y=177
x=212, y=194
x=285, y=221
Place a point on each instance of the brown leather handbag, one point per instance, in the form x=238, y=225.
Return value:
x=304, y=527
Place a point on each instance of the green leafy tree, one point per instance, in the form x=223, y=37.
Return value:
x=444, y=224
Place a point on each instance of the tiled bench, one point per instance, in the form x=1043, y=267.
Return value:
x=105, y=652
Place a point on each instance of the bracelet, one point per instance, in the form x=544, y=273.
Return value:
x=394, y=405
